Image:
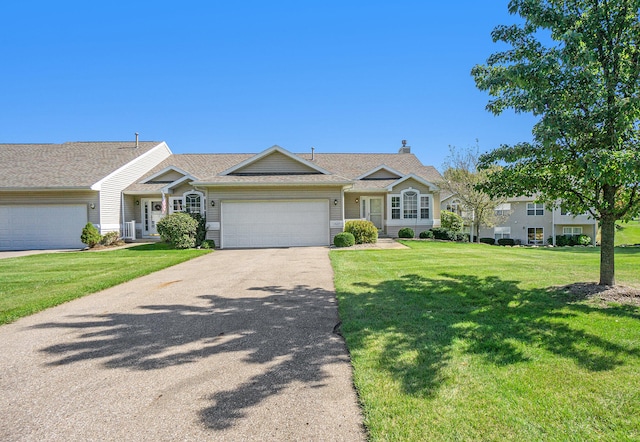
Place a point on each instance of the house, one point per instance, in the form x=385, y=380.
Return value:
x=532, y=223
x=48, y=192
x=277, y=198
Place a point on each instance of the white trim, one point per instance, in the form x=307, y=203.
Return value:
x=162, y=172
x=98, y=184
x=269, y=151
x=432, y=187
x=168, y=187
x=379, y=168
x=402, y=219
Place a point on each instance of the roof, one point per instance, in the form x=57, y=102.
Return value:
x=65, y=166
x=342, y=168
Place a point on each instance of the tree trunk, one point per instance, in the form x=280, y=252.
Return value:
x=607, y=238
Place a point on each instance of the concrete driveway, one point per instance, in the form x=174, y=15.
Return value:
x=235, y=345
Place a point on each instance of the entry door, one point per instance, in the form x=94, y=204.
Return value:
x=371, y=210
x=151, y=214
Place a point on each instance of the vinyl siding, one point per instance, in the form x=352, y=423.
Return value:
x=171, y=175
x=111, y=188
x=257, y=193
x=86, y=197
x=382, y=174
x=275, y=163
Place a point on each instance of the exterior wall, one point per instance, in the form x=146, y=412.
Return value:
x=520, y=223
x=418, y=225
x=587, y=229
x=112, y=186
x=276, y=163
x=87, y=197
x=219, y=195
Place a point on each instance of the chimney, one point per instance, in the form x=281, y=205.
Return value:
x=312, y=152
x=405, y=148
x=137, y=145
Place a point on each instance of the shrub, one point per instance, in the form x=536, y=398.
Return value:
x=406, y=232
x=364, y=232
x=490, y=241
x=344, y=239
x=179, y=229
x=583, y=240
x=442, y=233
x=90, y=235
x=201, y=230
x=451, y=221
x=110, y=238
x=208, y=244
x=506, y=242
x=460, y=236
x=427, y=234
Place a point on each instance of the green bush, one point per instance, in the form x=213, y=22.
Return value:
x=90, y=235
x=110, y=238
x=201, y=230
x=506, y=242
x=178, y=229
x=451, y=221
x=208, y=244
x=344, y=239
x=573, y=240
x=583, y=240
x=490, y=241
x=442, y=233
x=406, y=232
x=427, y=234
x=461, y=237
x=364, y=232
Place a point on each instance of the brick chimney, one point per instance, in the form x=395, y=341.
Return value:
x=405, y=148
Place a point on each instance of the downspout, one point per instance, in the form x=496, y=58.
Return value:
x=553, y=227
x=122, y=210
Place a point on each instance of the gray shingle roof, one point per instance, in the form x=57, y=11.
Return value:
x=64, y=166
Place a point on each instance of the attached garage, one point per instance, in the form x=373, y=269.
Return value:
x=286, y=223
x=42, y=227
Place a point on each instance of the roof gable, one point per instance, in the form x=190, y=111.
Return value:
x=275, y=161
x=414, y=177
x=166, y=176
x=381, y=172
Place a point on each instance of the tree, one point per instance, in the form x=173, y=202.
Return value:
x=462, y=178
x=576, y=65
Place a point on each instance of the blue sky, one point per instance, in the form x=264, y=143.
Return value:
x=342, y=76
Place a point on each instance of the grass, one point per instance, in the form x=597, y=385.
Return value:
x=33, y=283
x=471, y=342
x=628, y=233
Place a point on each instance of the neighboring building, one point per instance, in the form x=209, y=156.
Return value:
x=277, y=198
x=531, y=223
x=48, y=192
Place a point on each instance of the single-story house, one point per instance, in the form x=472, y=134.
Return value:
x=48, y=192
x=277, y=198
x=274, y=198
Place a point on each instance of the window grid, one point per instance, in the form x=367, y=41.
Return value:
x=395, y=207
x=410, y=208
x=535, y=209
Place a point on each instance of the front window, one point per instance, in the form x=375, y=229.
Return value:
x=502, y=232
x=176, y=205
x=503, y=209
x=572, y=231
x=395, y=207
x=410, y=205
x=535, y=235
x=535, y=209
x=192, y=203
x=424, y=207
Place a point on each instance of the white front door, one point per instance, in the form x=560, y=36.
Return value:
x=371, y=210
x=151, y=214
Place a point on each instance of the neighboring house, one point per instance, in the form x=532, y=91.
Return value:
x=48, y=192
x=532, y=223
x=277, y=198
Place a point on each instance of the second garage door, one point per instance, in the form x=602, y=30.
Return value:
x=254, y=224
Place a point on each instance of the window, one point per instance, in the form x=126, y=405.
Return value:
x=572, y=231
x=535, y=209
x=424, y=207
x=395, y=207
x=192, y=203
x=535, y=235
x=410, y=205
x=502, y=232
x=455, y=207
x=503, y=209
x=176, y=205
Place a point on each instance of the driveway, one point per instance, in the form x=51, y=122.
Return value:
x=235, y=345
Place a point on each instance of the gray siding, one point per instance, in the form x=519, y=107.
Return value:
x=87, y=197
x=110, y=200
x=276, y=163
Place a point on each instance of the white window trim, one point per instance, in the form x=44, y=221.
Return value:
x=536, y=242
x=402, y=220
x=579, y=229
x=183, y=197
x=535, y=207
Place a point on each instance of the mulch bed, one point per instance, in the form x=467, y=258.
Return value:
x=590, y=290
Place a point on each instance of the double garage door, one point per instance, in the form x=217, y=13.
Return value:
x=42, y=227
x=254, y=224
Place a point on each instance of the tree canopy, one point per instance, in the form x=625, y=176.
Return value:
x=576, y=65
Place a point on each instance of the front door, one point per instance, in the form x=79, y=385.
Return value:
x=371, y=210
x=151, y=214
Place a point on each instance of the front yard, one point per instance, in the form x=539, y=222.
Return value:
x=33, y=283
x=471, y=342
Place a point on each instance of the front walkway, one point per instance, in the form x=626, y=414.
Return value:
x=235, y=346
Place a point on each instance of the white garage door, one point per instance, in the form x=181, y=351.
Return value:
x=275, y=223
x=41, y=227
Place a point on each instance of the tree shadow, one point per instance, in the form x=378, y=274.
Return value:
x=287, y=331
x=488, y=317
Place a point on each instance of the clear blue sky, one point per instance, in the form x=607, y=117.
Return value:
x=241, y=76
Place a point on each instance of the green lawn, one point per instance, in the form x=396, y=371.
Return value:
x=628, y=233
x=33, y=283
x=471, y=342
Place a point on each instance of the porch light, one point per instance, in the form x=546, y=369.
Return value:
x=137, y=202
x=357, y=200
x=213, y=203
x=335, y=202
x=93, y=206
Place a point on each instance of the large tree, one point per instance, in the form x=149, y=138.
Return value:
x=462, y=178
x=576, y=65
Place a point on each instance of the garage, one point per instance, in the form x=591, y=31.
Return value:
x=42, y=227
x=256, y=224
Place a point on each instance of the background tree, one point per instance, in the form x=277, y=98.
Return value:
x=576, y=65
x=462, y=178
